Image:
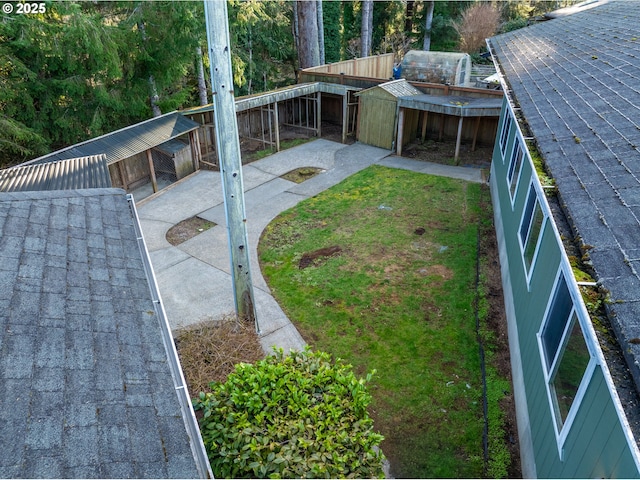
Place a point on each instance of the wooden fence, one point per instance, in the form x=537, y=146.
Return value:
x=378, y=66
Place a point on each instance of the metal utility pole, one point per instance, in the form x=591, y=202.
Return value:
x=228, y=147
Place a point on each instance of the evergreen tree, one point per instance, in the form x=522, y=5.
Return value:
x=389, y=23
x=162, y=39
x=444, y=38
x=350, y=29
x=319, y=13
x=60, y=69
x=332, y=23
x=82, y=69
x=263, y=51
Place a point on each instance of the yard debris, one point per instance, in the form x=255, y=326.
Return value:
x=209, y=350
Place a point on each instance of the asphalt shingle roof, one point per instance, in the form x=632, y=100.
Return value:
x=576, y=80
x=86, y=389
x=397, y=88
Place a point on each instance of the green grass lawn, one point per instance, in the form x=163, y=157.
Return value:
x=393, y=291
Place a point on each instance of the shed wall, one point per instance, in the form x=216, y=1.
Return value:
x=130, y=172
x=376, y=110
x=596, y=443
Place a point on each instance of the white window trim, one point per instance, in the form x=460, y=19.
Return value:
x=505, y=133
x=518, y=145
x=547, y=371
x=529, y=272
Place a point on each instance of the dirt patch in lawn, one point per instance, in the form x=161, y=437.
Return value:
x=301, y=174
x=186, y=229
x=317, y=257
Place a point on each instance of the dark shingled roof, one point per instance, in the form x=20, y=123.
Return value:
x=128, y=141
x=71, y=174
x=576, y=80
x=87, y=388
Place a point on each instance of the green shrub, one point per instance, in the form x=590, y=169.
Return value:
x=291, y=416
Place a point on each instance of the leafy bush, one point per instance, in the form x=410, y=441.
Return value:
x=291, y=416
x=514, y=24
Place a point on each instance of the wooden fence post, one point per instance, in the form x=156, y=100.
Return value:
x=152, y=171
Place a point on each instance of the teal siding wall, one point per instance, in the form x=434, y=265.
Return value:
x=595, y=441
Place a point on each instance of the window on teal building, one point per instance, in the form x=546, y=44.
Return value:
x=566, y=357
x=504, y=134
x=530, y=228
x=513, y=172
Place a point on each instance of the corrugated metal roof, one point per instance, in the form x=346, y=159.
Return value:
x=454, y=105
x=70, y=174
x=397, y=88
x=126, y=142
x=279, y=95
x=172, y=146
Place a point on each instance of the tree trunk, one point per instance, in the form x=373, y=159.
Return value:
x=367, y=28
x=154, y=97
x=320, y=31
x=427, y=25
x=250, y=82
x=308, y=49
x=153, y=89
x=296, y=33
x=408, y=17
x=202, y=84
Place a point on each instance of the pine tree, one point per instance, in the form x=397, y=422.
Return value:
x=263, y=51
x=332, y=20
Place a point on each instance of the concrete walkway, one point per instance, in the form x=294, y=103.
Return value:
x=194, y=277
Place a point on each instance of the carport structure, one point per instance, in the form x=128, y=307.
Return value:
x=261, y=116
x=455, y=106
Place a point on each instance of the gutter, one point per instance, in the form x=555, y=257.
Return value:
x=188, y=415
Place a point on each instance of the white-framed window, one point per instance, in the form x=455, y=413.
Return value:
x=504, y=134
x=513, y=172
x=567, y=358
x=530, y=231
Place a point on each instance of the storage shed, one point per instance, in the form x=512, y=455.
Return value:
x=377, y=113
